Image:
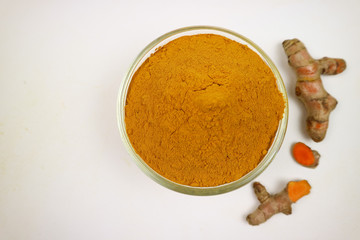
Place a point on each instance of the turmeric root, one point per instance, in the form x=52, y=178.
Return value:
x=309, y=88
x=281, y=202
x=305, y=155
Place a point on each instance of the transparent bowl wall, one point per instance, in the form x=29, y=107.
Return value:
x=151, y=48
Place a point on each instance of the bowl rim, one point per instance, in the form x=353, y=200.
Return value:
x=201, y=191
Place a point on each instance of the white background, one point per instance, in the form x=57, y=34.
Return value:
x=64, y=171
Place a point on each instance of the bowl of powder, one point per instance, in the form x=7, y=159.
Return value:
x=202, y=110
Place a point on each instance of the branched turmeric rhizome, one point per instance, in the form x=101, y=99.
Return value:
x=203, y=110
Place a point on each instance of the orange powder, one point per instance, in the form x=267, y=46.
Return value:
x=203, y=110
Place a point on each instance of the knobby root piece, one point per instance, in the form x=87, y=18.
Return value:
x=309, y=87
x=281, y=202
x=305, y=156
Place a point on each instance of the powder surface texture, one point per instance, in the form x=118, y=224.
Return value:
x=203, y=110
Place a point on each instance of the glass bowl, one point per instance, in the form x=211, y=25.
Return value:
x=151, y=48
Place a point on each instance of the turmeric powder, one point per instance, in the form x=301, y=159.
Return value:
x=203, y=110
